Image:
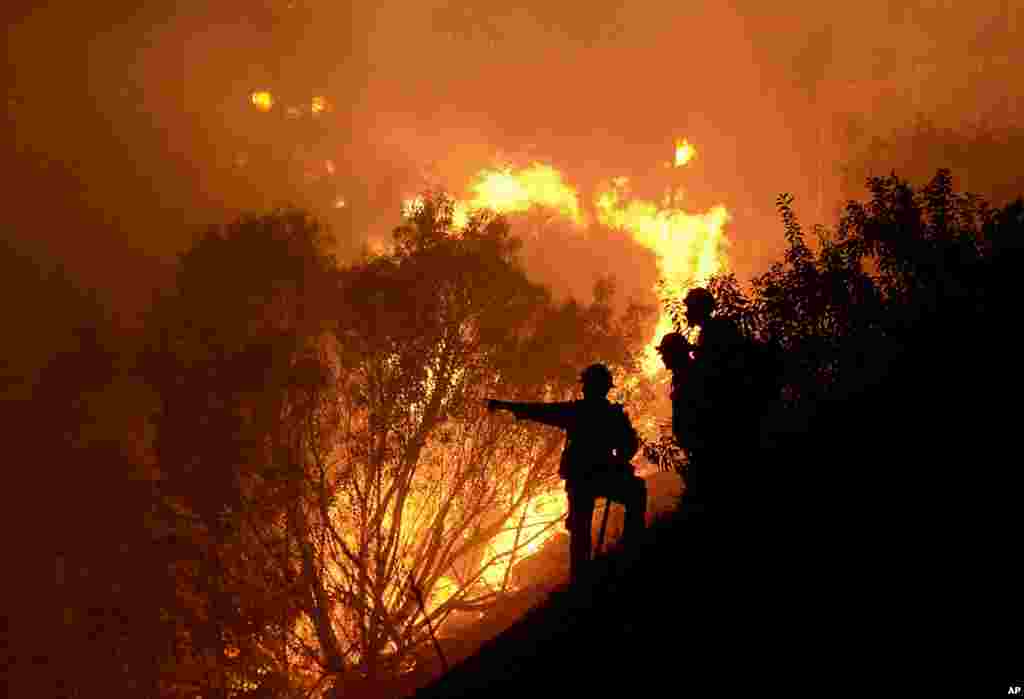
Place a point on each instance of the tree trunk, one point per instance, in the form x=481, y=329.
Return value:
x=320, y=604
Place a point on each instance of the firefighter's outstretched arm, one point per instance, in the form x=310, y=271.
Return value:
x=554, y=414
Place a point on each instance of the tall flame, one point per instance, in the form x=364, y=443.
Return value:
x=688, y=247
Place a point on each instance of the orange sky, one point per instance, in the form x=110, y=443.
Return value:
x=128, y=124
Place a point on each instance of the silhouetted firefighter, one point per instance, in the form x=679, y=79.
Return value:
x=676, y=351
x=714, y=414
x=600, y=443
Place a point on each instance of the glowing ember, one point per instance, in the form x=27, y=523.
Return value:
x=318, y=105
x=262, y=100
x=684, y=152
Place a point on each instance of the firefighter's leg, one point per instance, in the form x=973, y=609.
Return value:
x=581, y=512
x=634, y=498
x=695, y=462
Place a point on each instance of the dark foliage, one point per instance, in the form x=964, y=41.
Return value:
x=896, y=264
x=893, y=330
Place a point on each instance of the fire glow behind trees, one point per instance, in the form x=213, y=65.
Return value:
x=689, y=247
x=332, y=435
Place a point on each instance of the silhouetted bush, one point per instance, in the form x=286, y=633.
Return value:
x=894, y=327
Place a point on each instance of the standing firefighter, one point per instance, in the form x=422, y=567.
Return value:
x=714, y=412
x=676, y=352
x=600, y=442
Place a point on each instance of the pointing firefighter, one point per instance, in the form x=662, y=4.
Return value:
x=600, y=443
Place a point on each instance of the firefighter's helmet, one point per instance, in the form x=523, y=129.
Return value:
x=597, y=375
x=700, y=298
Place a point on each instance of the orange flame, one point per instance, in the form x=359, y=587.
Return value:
x=262, y=100
x=507, y=191
x=688, y=246
x=539, y=523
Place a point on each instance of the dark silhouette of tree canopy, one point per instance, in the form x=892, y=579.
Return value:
x=893, y=335
x=236, y=361
x=845, y=307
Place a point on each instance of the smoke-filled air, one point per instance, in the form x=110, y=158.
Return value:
x=324, y=315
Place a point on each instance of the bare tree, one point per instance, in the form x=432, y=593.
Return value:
x=422, y=495
x=326, y=449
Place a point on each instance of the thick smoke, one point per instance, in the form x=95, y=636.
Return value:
x=131, y=127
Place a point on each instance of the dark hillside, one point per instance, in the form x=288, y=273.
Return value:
x=836, y=558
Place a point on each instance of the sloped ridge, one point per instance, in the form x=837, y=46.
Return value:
x=572, y=640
